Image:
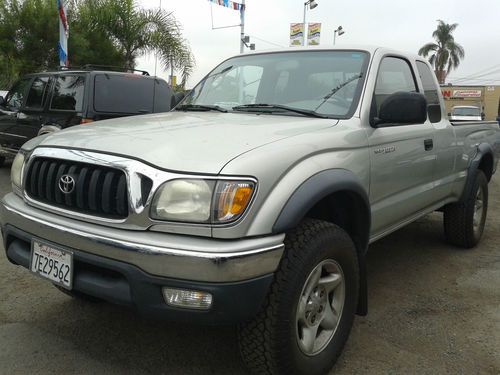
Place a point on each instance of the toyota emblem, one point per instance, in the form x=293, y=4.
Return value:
x=67, y=184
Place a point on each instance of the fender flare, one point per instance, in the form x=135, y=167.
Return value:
x=312, y=191
x=482, y=150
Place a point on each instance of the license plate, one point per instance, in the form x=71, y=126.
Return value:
x=52, y=263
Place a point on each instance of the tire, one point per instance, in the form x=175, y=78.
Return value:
x=275, y=341
x=2, y=161
x=464, y=221
x=78, y=295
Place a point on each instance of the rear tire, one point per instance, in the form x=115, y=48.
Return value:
x=310, y=308
x=464, y=221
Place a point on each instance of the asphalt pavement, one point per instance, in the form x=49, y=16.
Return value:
x=434, y=309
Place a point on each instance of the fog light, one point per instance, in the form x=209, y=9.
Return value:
x=188, y=299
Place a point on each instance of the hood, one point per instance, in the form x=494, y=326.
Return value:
x=199, y=142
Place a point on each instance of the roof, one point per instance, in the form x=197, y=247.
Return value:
x=343, y=47
x=82, y=71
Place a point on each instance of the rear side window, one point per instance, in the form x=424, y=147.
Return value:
x=131, y=94
x=430, y=89
x=68, y=93
x=37, y=93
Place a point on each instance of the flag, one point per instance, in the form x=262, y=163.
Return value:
x=63, y=34
x=229, y=4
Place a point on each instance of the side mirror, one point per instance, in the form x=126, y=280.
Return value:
x=402, y=108
x=434, y=112
x=176, y=99
x=449, y=114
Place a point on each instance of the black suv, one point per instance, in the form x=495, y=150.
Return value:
x=45, y=102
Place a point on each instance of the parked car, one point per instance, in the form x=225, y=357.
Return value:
x=46, y=102
x=254, y=201
x=466, y=113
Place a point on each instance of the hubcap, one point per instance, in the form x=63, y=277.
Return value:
x=478, y=211
x=320, y=307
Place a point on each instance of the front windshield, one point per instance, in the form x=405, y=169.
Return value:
x=465, y=111
x=325, y=82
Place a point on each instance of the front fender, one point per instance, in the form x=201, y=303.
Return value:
x=313, y=190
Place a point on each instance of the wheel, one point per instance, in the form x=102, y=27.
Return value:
x=310, y=308
x=464, y=221
x=78, y=295
x=2, y=161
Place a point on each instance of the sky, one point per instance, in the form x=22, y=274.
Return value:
x=398, y=24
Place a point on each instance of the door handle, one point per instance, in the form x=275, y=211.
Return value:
x=429, y=144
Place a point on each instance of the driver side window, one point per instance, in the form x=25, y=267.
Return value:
x=15, y=98
x=395, y=75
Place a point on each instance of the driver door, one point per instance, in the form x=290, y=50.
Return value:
x=402, y=155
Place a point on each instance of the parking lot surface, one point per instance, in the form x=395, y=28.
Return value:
x=434, y=309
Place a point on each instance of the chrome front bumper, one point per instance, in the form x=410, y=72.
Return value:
x=159, y=254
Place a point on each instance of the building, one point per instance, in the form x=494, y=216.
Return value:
x=485, y=97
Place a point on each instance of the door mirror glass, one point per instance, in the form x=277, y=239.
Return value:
x=402, y=108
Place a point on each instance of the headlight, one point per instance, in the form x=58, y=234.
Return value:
x=17, y=169
x=202, y=201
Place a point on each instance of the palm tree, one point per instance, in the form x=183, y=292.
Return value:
x=445, y=54
x=137, y=31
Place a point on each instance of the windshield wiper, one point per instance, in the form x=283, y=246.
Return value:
x=338, y=88
x=200, y=107
x=271, y=107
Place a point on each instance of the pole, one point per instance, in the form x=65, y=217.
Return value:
x=304, y=26
x=334, y=37
x=63, y=34
x=242, y=35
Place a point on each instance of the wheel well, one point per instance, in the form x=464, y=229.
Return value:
x=347, y=210
x=486, y=165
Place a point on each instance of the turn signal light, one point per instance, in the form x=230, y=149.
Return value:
x=232, y=199
x=188, y=299
x=86, y=121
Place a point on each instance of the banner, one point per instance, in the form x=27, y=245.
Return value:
x=229, y=4
x=296, y=34
x=314, y=34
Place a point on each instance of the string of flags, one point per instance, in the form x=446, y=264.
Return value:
x=229, y=4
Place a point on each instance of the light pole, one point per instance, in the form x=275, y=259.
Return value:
x=312, y=4
x=339, y=31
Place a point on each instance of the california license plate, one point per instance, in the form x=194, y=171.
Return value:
x=52, y=263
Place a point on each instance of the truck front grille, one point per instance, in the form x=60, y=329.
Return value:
x=86, y=188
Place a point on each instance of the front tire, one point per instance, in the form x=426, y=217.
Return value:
x=464, y=221
x=309, y=312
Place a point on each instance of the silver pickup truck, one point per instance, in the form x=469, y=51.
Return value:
x=255, y=200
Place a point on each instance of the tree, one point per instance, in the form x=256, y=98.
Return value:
x=102, y=32
x=136, y=31
x=445, y=53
